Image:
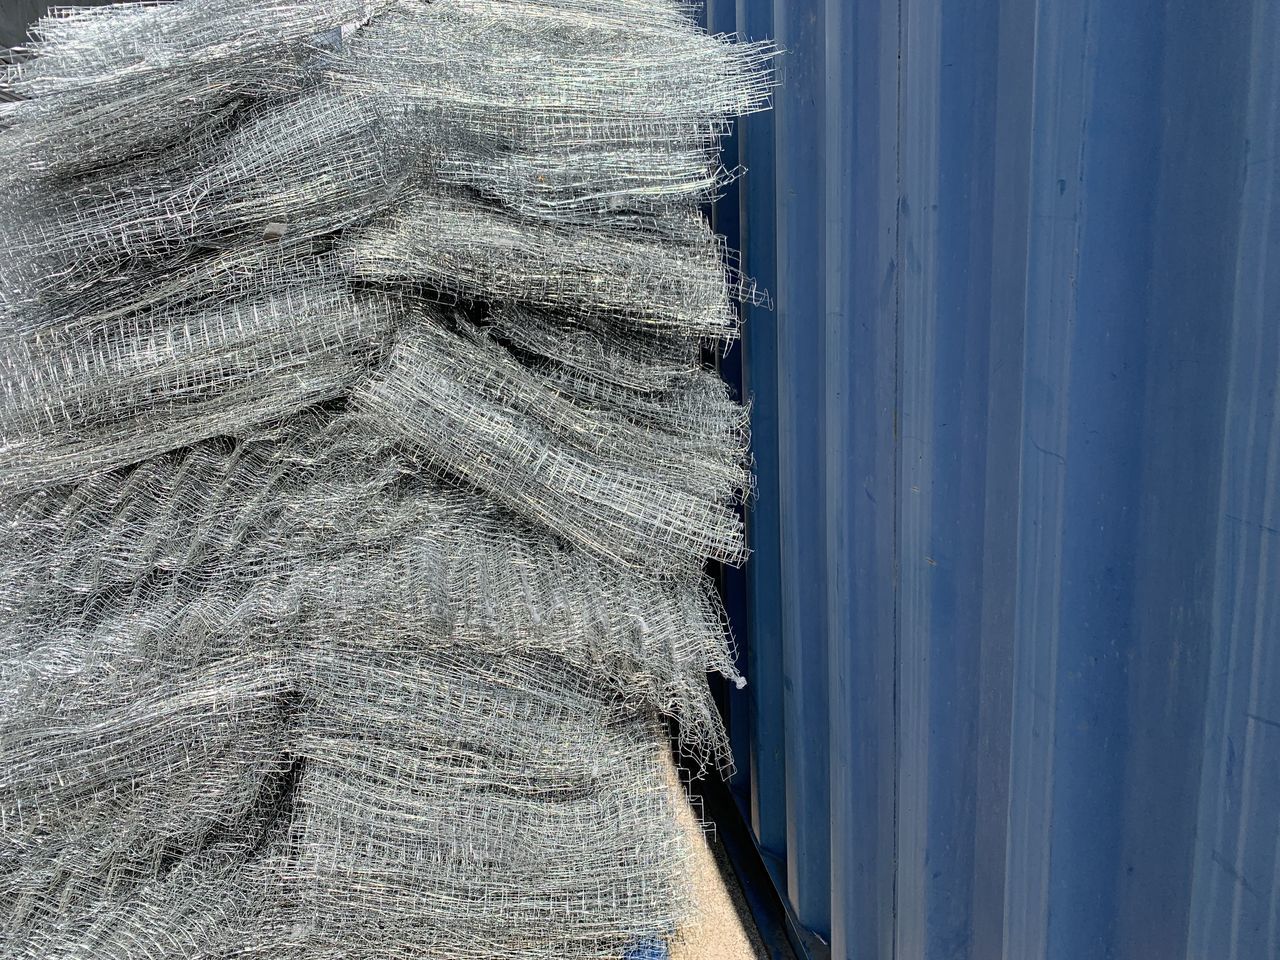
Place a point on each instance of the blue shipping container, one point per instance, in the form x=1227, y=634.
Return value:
x=1012, y=621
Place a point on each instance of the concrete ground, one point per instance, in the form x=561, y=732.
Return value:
x=723, y=929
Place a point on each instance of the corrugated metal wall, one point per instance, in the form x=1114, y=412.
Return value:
x=1012, y=623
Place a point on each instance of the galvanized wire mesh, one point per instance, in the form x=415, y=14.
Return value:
x=301, y=168
x=98, y=85
x=668, y=275
x=335, y=623
x=568, y=109
x=316, y=527
x=75, y=403
x=588, y=356
x=436, y=805
x=536, y=811
x=628, y=491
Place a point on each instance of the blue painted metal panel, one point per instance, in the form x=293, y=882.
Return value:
x=1234, y=912
x=860, y=202
x=763, y=633
x=1020, y=410
x=1086, y=354
x=800, y=198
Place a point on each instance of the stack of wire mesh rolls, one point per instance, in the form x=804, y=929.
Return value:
x=358, y=470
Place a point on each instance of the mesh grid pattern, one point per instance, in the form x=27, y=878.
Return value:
x=358, y=469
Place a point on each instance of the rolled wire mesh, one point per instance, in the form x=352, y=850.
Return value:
x=672, y=278
x=305, y=167
x=103, y=786
x=633, y=495
x=498, y=807
x=186, y=912
x=98, y=85
x=537, y=811
x=293, y=534
x=579, y=186
x=333, y=624
x=649, y=381
x=591, y=355
x=584, y=106
x=176, y=375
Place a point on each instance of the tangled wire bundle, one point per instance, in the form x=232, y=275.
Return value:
x=357, y=473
